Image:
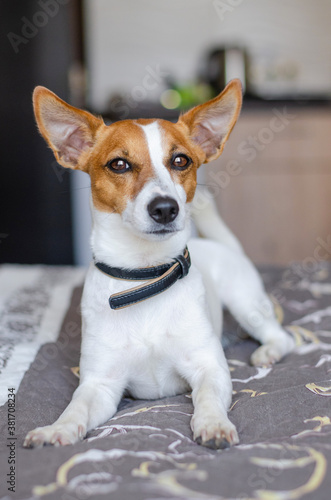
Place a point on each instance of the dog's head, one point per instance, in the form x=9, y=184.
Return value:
x=142, y=170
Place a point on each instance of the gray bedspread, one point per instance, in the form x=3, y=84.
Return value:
x=146, y=450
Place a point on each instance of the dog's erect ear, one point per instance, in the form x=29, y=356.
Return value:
x=69, y=131
x=210, y=124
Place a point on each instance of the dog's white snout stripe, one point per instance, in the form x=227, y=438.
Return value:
x=154, y=142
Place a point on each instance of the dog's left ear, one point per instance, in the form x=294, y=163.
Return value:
x=210, y=124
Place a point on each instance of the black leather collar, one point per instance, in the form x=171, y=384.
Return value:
x=159, y=279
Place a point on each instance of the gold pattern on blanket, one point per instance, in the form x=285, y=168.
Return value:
x=165, y=479
x=144, y=469
x=61, y=479
x=164, y=473
x=322, y=422
x=233, y=405
x=320, y=390
x=253, y=394
x=146, y=409
x=297, y=461
x=168, y=483
x=302, y=335
x=75, y=371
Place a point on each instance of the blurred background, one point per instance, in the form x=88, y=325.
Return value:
x=147, y=58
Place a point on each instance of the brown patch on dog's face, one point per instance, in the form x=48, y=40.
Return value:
x=110, y=189
x=126, y=140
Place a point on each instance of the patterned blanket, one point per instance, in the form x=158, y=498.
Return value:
x=146, y=450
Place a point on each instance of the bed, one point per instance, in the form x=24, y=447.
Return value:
x=146, y=450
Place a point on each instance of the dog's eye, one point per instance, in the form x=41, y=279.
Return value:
x=119, y=165
x=180, y=162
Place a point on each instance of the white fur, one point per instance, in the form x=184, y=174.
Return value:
x=135, y=215
x=154, y=142
x=171, y=342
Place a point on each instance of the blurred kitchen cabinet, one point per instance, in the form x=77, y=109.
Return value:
x=272, y=184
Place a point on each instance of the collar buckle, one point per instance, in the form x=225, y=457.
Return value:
x=184, y=265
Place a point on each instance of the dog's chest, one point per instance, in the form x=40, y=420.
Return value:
x=152, y=372
x=151, y=350
x=148, y=350
x=148, y=339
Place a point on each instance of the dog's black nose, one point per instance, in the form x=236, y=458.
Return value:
x=163, y=209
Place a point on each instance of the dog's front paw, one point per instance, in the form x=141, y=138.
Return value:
x=56, y=434
x=214, y=432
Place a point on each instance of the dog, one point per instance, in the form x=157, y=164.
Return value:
x=151, y=320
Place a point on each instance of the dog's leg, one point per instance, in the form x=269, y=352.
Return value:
x=256, y=315
x=210, y=424
x=249, y=303
x=206, y=370
x=93, y=403
x=240, y=289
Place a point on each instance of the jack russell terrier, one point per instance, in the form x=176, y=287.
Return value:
x=135, y=338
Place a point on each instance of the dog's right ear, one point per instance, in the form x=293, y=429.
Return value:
x=70, y=132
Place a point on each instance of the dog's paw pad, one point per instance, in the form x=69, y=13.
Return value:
x=214, y=444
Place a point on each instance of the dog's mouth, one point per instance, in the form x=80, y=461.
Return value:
x=163, y=231
x=161, y=234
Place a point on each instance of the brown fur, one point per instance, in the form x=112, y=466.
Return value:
x=87, y=144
